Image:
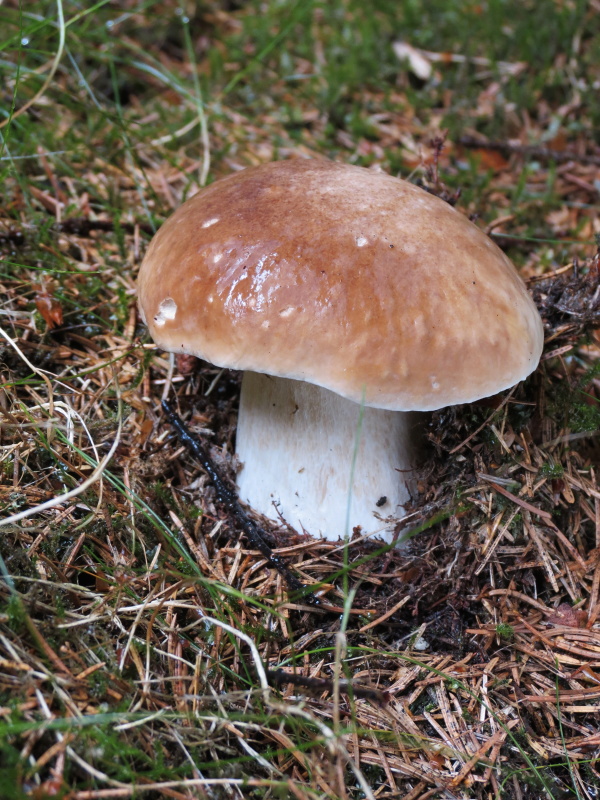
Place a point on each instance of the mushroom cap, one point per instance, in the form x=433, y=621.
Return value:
x=343, y=277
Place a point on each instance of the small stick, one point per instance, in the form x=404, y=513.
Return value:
x=279, y=677
x=532, y=151
x=228, y=498
x=82, y=226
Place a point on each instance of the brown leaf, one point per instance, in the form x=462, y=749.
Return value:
x=436, y=760
x=49, y=308
x=186, y=364
x=491, y=159
x=566, y=615
x=49, y=788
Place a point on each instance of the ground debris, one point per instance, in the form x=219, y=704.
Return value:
x=145, y=649
x=570, y=300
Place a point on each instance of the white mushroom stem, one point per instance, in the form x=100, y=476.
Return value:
x=322, y=461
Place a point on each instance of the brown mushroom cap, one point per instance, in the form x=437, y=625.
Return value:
x=343, y=277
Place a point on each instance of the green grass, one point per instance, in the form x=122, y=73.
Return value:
x=110, y=89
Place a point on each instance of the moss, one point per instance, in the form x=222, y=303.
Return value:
x=505, y=631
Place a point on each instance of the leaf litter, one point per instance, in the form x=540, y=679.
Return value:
x=464, y=664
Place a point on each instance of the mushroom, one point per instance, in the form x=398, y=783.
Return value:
x=349, y=298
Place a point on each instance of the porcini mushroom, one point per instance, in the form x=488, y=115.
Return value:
x=349, y=298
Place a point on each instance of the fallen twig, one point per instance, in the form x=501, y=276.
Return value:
x=228, y=498
x=279, y=677
x=530, y=150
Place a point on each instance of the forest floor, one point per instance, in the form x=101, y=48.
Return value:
x=146, y=648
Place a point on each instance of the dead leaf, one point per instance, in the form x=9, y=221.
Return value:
x=186, y=364
x=49, y=308
x=490, y=159
x=568, y=616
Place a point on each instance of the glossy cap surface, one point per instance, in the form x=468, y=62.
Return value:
x=343, y=277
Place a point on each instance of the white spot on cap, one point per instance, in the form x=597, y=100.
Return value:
x=210, y=222
x=361, y=241
x=217, y=257
x=287, y=311
x=419, y=325
x=166, y=311
x=435, y=384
